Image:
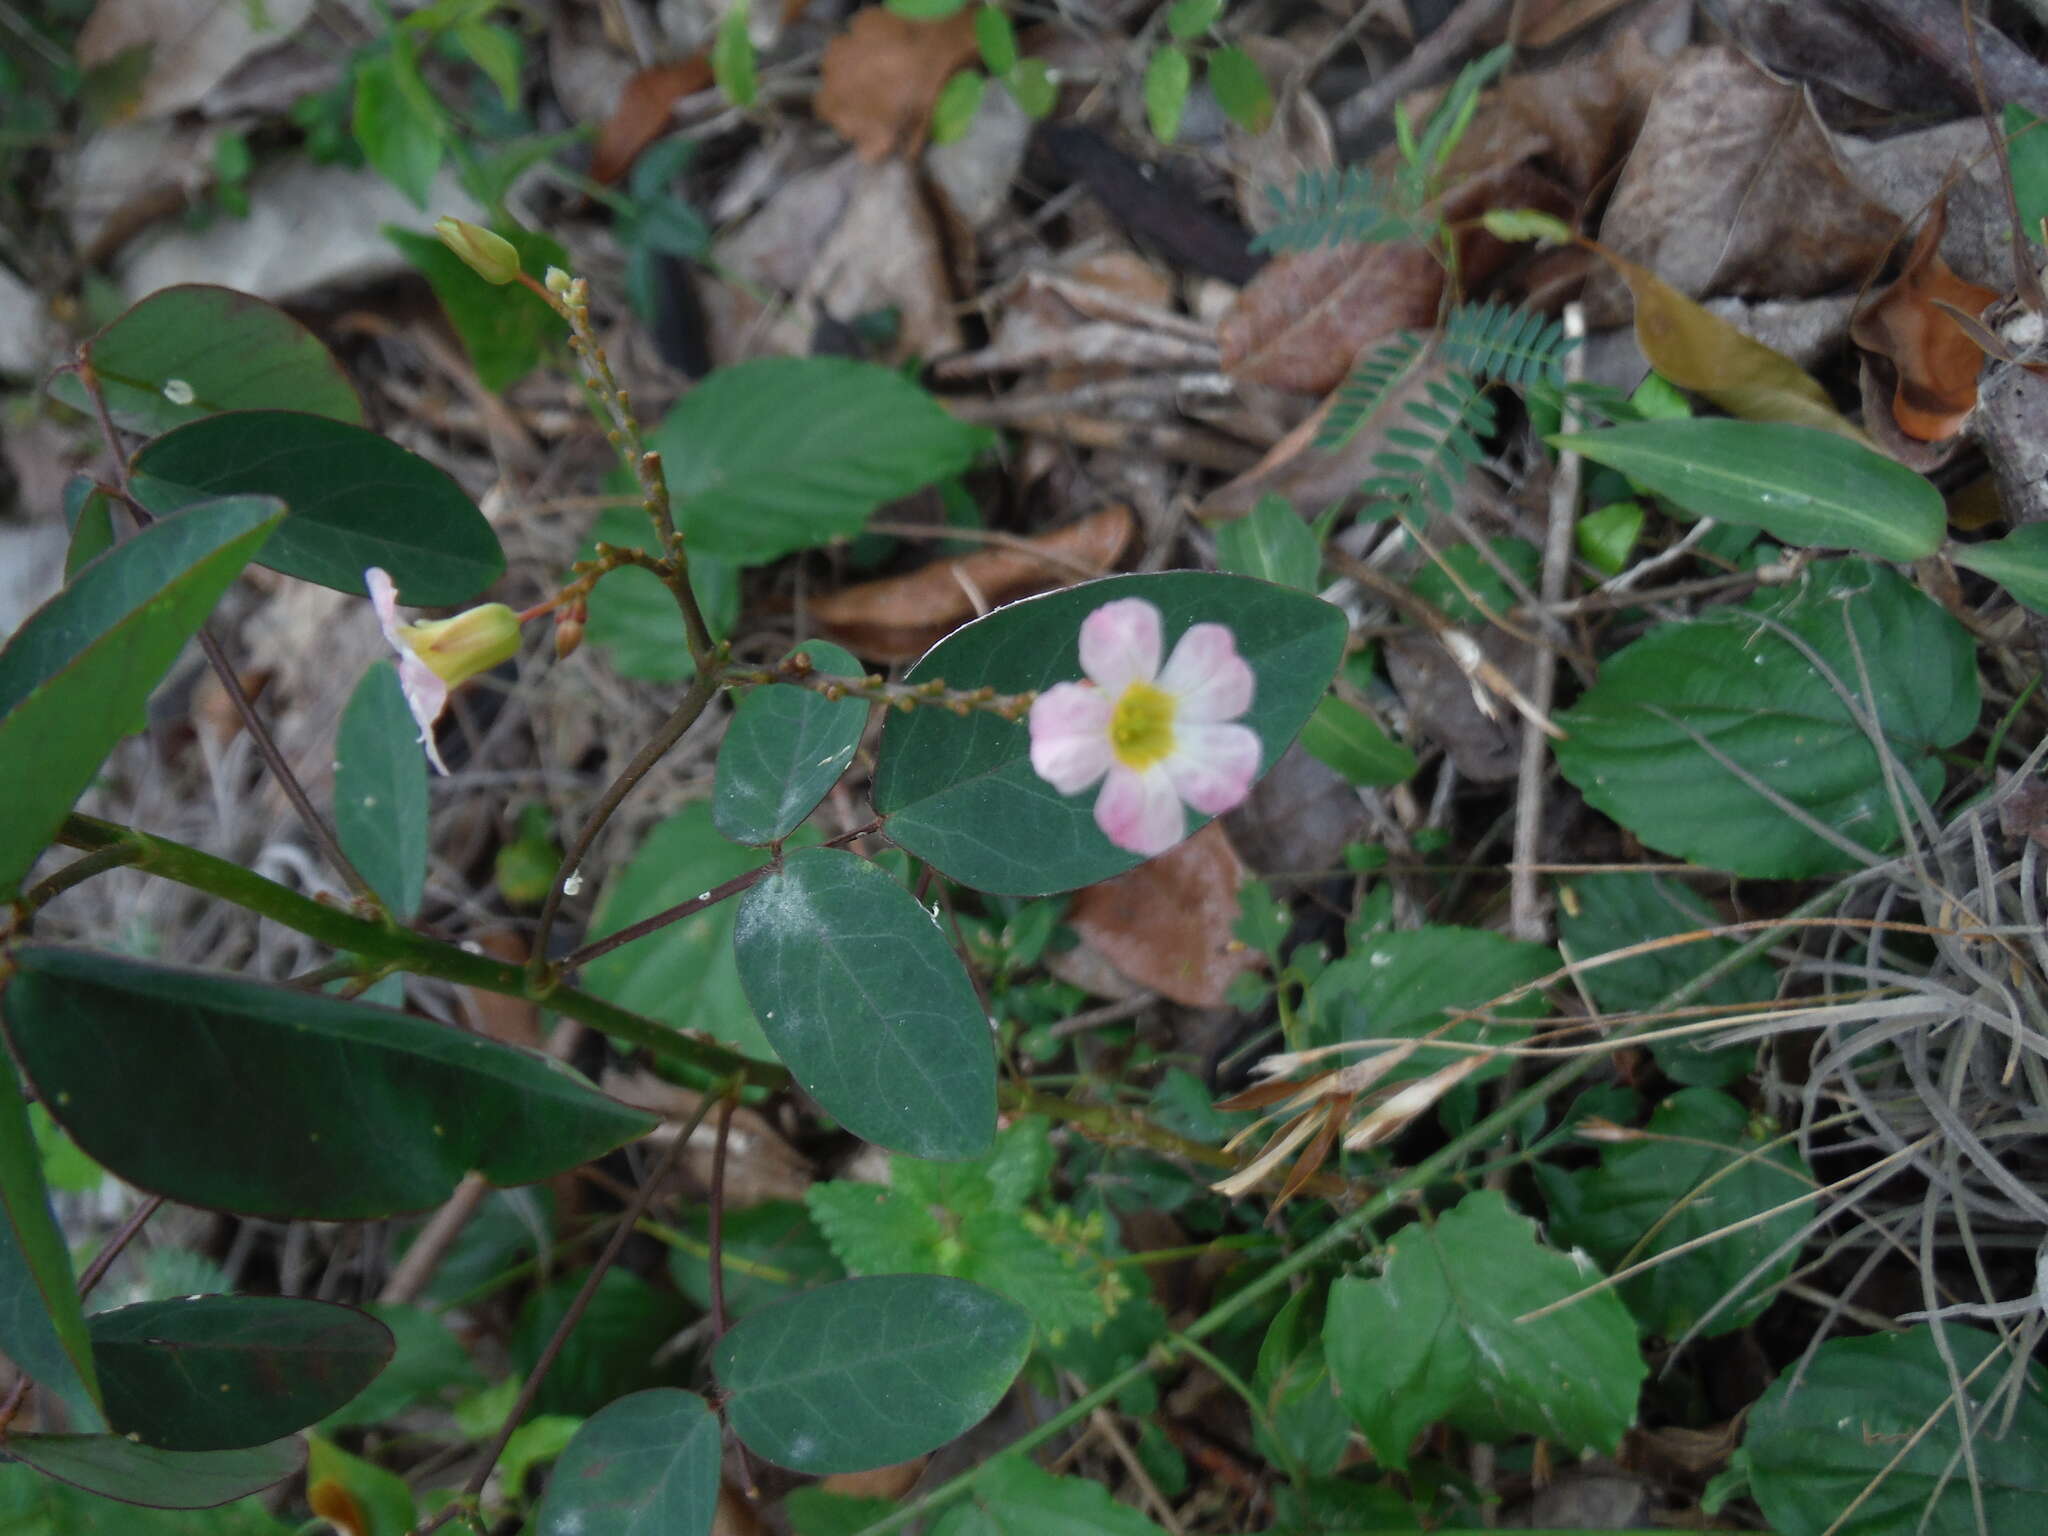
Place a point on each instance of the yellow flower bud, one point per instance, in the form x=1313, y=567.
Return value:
x=491, y=257
x=459, y=648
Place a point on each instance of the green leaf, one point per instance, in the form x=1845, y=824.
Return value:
x=1349, y=740
x=89, y=514
x=356, y=500
x=195, y=350
x=496, y=51
x=380, y=791
x=1031, y=82
x=782, y=1251
x=867, y=1005
x=1860, y=1410
x=785, y=749
x=2027, y=149
x=732, y=56
x=1699, y=1173
x=1241, y=89
x=1167, y=77
x=926, y=10
x=1799, y=484
x=34, y=1505
x=1012, y=1495
x=42, y=1329
x=400, y=135
x=115, y=1467
x=1650, y=744
x=75, y=676
x=788, y=453
x=342, y=1111
x=646, y=1463
x=381, y=1498
x=996, y=38
x=1437, y=1337
x=959, y=99
x=807, y=1376
x=505, y=329
x=1476, y=575
x=612, y=1350
x=429, y=1363
x=633, y=616
x=1310, y=1427
x=2018, y=562
x=684, y=974
x=1189, y=19
x=1273, y=544
x=943, y=781
x=1607, y=538
x=220, y=1373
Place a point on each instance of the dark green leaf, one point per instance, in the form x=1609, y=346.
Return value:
x=400, y=134
x=505, y=328
x=2027, y=146
x=634, y=617
x=380, y=791
x=2018, y=562
x=771, y=1251
x=867, y=1005
x=89, y=514
x=1241, y=89
x=644, y=1464
x=1652, y=742
x=1013, y=1495
x=1799, y=484
x=75, y=676
x=786, y=747
x=34, y=1505
x=1346, y=738
x=612, y=1350
x=1167, y=78
x=196, y=350
x=869, y=1372
x=944, y=781
x=1309, y=1427
x=357, y=500
x=1273, y=544
x=115, y=1467
x=221, y=1373
x=339, y=1111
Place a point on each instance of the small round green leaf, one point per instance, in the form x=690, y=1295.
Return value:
x=196, y=350
x=948, y=784
x=116, y=1467
x=869, y=1372
x=2018, y=562
x=959, y=99
x=1167, y=78
x=221, y=1373
x=356, y=500
x=268, y=1101
x=646, y=1465
x=380, y=791
x=786, y=747
x=866, y=1003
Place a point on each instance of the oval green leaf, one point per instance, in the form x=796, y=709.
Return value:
x=380, y=791
x=220, y=1373
x=259, y=1099
x=1344, y=737
x=1799, y=484
x=116, y=1467
x=786, y=747
x=356, y=499
x=866, y=1373
x=1241, y=89
x=645, y=1464
x=948, y=784
x=867, y=1005
x=2018, y=562
x=1167, y=78
x=75, y=676
x=197, y=350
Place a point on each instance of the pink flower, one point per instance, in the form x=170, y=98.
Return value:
x=435, y=655
x=1157, y=737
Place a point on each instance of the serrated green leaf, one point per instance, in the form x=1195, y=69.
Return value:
x=2018, y=562
x=646, y=1463
x=1012, y=1495
x=1241, y=89
x=1346, y=738
x=1437, y=1337
x=785, y=749
x=804, y=1377
x=380, y=791
x=506, y=330
x=732, y=56
x=1167, y=77
x=116, y=1467
x=959, y=99
x=1273, y=544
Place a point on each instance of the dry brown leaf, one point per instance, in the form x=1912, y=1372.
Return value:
x=1169, y=923
x=890, y=1482
x=881, y=76
x=1442, y=706
x=1735, y=187
x=642, y=115
x=1936, y=360
x=193, y=44
x=899, y=618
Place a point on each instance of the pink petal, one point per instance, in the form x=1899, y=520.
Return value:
x=1120, y=644
x=1207, y=676
x=425, y=694
x=384, y=598
x=1212, y=766
x=1070, y=736
x=1140, y=811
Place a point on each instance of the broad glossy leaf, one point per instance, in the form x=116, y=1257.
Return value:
x=197, y=350
x=116, y=1467
x=220, y=1373
x=867, y=1005
x=356, y=500
x=1752, y=697
x=505, y=328
x=42, y=1329
x=380, y=791
x=1346, y=738
x=1700, y=1171
x=869, y=1372
x=1436, y=1337
x=646, y=1465
x=2018, y=562
x=1272, y=543
x=259, y=1099
x=75, y=676
x=1013, y=1494
x=785, y=749
x=788, y=453
x=1858, y=1409
x=960, y=792
x=1799, y=484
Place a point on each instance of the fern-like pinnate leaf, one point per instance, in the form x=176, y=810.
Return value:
x=1360, y=397
x=1427, y=457
x=1336, y=207
x=1498, y=341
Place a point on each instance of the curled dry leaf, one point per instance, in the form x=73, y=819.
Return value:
x=642, y=115
x=1168, y=923
x=899, y=618
x=881, y=76
x=1935, y=358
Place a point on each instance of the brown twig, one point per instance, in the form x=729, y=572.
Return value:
x=1425, y=62
x=104, y=1259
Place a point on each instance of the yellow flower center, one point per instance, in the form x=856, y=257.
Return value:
x=1141, y=729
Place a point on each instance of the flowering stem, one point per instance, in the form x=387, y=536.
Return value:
x=800, y=671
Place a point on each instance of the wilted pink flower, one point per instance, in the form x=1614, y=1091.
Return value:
x=435, y=655
x=1158, y=737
